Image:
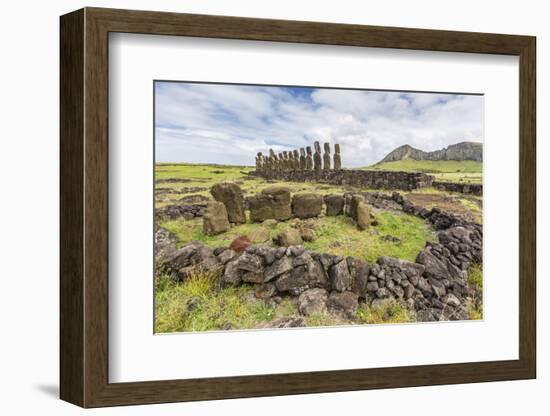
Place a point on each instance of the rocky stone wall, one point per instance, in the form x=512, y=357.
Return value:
x=463, y=188
x=187, y=212
x=406, y=181
x=435, y=286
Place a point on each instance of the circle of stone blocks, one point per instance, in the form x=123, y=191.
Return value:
x=335, y=205
x=271, y=203
x=307, y=205
x=231, y=196
x=215, y=219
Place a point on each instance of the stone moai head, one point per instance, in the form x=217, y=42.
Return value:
x=337, y=158
x=271, y=153
x=317, y=147
x=326, y=157
x=296, y=155
x=302, y=159
x=309, y=159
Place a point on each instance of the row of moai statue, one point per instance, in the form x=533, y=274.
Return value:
x=300, y=160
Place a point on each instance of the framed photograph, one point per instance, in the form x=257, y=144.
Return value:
x=256, y=207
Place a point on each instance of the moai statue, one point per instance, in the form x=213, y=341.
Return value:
x=290, y=160
x=296, y=154
x=326, y=157
x=337, y=158
x=309, y=159
x=259, y=161
x=317, y=163
x=286, y=161
x=302, y=158
x=272, y=160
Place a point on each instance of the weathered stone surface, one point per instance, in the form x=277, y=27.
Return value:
x=288, y=237
x=317, y=160
x=313, y=301
x=309, y=159
x=362, y=216
x=359, y=271
x=259, y=235
x=285, y=322
x=372, y=179
x=335, y=205
x=232, y=274
x=230, y=194
x=260, y=208
x=215, y=218
x=226, y=255
x=165, y=243
x=307, y=205
x=337, y=157
x=434, y=267
x=192, y=254
x=267, y=253
x=279, y=267
x=302, y=158
x=354, y=202
x=340, y=278
x=326, y=157
x=307, y=234
x=265, y=291
x=187, y=211
x=250, y=263
x=294, y=282
x=344, y=303
x=271, y=203
x=450, y=299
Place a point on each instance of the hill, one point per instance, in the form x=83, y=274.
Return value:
x=457, y=152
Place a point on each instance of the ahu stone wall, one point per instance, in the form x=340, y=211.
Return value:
x=406, y=181
x=463, y=188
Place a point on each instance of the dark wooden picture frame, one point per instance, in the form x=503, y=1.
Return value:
x=84, y=207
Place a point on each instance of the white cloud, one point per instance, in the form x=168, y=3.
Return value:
x=229, y=124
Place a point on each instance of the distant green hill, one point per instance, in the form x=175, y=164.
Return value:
x=469, y=171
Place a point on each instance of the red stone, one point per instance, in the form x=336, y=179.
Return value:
x=240, y=244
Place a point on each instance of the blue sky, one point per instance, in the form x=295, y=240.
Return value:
x=229, y=124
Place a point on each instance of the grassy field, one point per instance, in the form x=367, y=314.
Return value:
x=198, y=304
x=335, y=235
x=467, y=171
x=203, y=177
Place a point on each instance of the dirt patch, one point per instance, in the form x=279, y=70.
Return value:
x=449, y=203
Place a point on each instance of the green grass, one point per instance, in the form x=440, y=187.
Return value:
x=205, y=176
x=215, y=308
x=199, y=172
x=468, y=171
x=475, y=279
x=335, y=235
x=391, y=312
x=339, y=236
